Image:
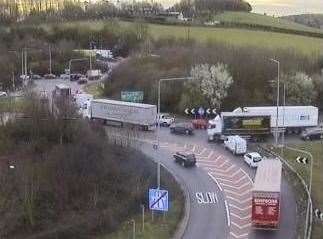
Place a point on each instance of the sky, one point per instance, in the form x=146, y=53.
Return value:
x=278, y=7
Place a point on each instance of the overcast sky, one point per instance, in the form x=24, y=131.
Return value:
x=279, y=7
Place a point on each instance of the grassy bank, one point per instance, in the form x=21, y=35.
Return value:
x=160, y=227
x=317, y=194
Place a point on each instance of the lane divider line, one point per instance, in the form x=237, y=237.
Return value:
x=216, y=181
x=228, y=212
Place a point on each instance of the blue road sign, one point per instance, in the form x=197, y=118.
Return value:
x=158, y=200
x=201, y=111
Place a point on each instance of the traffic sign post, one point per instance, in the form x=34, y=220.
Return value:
x=158, y=200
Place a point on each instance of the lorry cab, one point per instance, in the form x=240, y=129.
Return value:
x=214, y=129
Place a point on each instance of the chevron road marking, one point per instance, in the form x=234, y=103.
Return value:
x=217, y=169
x=239, y=208
x=239, y=236
x=230, y=176
x=241, y=218
x=241, y=227
x=237, y=193
x=222, y=164
x=230, y=181
x=235, y=187
x=239, y=201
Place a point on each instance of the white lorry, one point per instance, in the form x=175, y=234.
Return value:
x=120, y=112
x=259, y=122
x=236, y=144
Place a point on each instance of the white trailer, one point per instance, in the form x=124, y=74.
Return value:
x=114, y=111
x=292, y=118
x=258, y=122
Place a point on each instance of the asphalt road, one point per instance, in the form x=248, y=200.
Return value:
x=211, y=221
x=207, y=219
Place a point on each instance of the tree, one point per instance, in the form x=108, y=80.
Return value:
x=300, y=89
x=214, y=81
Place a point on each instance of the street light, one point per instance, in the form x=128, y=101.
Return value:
x=73, y=60
x=158, y=122
x=278, y=76
x=307, y=233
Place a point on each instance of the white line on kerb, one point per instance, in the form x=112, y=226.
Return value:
x=216, y=181
x=228, y=213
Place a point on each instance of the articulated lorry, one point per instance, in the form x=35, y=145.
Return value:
x=266, y=196
x=260, y=122
x=123, y=113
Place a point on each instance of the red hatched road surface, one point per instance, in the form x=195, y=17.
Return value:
x=235, y=184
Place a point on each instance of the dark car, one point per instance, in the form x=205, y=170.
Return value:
x=49, y=76
x=312, y=134
x=187, y=160
x=182, y=128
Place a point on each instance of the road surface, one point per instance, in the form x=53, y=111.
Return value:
x=229, y=177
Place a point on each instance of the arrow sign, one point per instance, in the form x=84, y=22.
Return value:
x=193, y=111
x=187, y=111
x=208, y=111
x=302, y=160
x=214, y=111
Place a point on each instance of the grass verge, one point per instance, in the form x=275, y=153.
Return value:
x=162, y=227
x=316, y=148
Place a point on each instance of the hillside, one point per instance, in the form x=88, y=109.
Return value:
x=262, y=20
x=312, y=20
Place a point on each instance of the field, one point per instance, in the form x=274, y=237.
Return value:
x=258, y=19
x=309, y=46
x=317, y=193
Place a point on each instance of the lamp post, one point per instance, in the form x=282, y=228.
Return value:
x=158, y=122
x=74, y=60
x=277, y=111
x=309, y=210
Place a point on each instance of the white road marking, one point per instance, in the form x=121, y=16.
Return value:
x=228, y=212
x=240, y=201
x=241, y=218
x=241, y=227
x=234, y=183
x=206, y=198
x=239, y=236
x=239, y=208
x=214, y=179
x=237, y=193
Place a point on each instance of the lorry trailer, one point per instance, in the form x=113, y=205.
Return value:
x=266, y=197
x=260, y=122
x=120, y=112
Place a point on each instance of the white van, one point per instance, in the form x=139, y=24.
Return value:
x=236, y=144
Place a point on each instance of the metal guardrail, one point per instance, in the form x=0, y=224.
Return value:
x=268, y=151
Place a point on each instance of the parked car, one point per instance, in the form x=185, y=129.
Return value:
x=200, y=123
x=35, y=77
x=312, y=134
x=49, y=76
x=187, y=160
x=182, y=128
x=252, y=159
x=3, y=94
x=64, y=76
x=166, y=119
x=82, y=81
